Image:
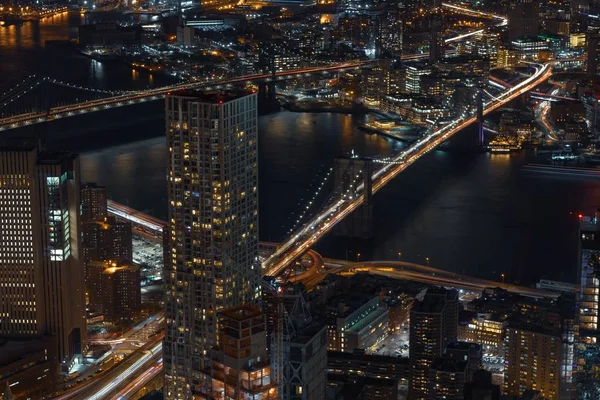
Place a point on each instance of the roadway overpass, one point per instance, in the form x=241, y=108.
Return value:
x=415, y=272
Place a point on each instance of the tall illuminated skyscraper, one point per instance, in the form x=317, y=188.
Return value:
x=41, y=273
x=212, y=260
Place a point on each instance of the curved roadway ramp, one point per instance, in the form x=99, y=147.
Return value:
x=418, y=273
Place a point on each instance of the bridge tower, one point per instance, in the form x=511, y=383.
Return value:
x=480, y=137
x=349, y=173
x=271, y=91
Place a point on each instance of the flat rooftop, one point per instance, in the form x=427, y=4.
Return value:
x=211, y=96
x=241, y=312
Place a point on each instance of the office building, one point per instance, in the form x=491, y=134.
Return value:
x=414, y=72
x=591, y=101
x=523, y=19
x=557, y=26
x=239, y=367
x=298, y=348
x=114, y=289
x=212, y=238
x=472, y=353
x=530, y=46
x=93, y=202
x=447, y=378
x=433, y=324
x=532, y=359
x=41, y=274
x=343, y=387
x=359, y=363
x=457, y=366
x=358, y=375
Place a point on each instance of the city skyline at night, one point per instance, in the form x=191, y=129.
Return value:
x=299, y=200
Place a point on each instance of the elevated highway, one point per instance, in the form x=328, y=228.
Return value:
x=418, y=273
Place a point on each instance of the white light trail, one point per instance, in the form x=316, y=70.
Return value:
x=133, y=368
x=465, y=35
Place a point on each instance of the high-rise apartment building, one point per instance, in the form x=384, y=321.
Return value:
x=436, y=41
x=93, y=202
x=107, y=239
x=433, y=324
x=212, y=238
x=532, y=360
x=41, y=273
x=114, y=289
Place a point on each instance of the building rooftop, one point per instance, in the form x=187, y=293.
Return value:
x=540, y=327
x=212, y=96
x=434, y=300
x=240, y=313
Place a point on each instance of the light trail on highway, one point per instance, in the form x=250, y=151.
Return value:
x=324, y=221
x=132, y=369
x=503, y=20
x=140, y=381
x=422, y=273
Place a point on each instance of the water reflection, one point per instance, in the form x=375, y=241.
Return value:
x=472, y=213
x=43, y=48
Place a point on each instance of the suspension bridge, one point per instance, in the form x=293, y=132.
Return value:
x=36, y=100
x=358, y=192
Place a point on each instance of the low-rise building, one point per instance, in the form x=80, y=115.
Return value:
x=360, y=323
x=240, y=368
x=28, y=367
x=484, y=328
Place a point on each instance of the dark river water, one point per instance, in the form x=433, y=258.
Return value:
x=472, y=213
